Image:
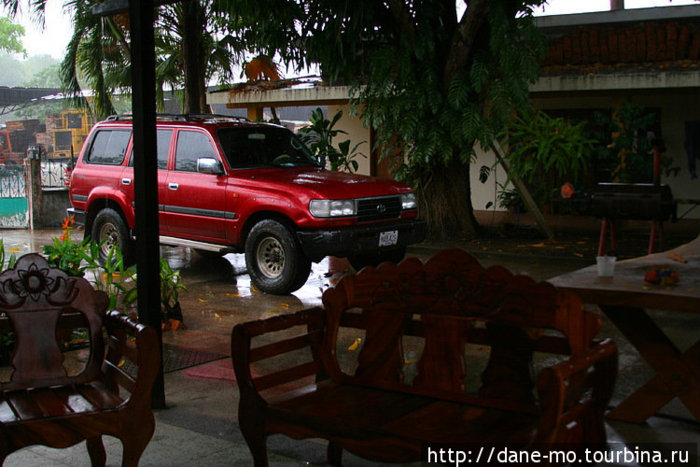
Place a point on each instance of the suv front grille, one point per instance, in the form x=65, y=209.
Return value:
x=378, y=209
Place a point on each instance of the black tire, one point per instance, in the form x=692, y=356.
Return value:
x=110, y=227
x=360, y=261
x=274, y=258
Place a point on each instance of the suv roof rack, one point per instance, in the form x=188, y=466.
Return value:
x=182, y=117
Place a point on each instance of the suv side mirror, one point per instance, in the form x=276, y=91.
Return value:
x=209, y=165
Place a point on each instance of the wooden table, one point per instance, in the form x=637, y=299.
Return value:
x=624, y=299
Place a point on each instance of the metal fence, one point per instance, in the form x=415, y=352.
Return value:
x=12, y=184
x=53, y=172
x=13, y=197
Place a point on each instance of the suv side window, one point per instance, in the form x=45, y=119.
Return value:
x=162, y=147
x=192, y=145
x=108, y=147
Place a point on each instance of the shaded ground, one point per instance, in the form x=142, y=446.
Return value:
x=200, y=426
x=574, y=245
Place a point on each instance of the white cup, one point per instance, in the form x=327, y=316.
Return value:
x=606, y=265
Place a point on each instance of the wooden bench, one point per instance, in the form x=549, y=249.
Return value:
x=52, y=396
x=448, y=312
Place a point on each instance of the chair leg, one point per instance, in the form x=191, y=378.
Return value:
x=96, y=450
x=254, y=434
x=133, y=448
x=135, y=442
x=335, y=454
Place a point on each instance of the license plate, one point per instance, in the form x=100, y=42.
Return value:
x=388, y=238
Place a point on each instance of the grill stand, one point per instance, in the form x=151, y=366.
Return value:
x=657, y=230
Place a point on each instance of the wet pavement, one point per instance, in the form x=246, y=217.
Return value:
x=199, y=427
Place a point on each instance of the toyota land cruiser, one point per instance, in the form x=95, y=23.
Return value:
x=226, y=185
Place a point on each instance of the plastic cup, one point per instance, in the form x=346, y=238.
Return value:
x=606, y=265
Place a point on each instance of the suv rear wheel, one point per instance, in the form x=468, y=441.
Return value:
x=275, y=261
x=109, y=229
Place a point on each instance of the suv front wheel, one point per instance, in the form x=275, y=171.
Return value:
x=275, y=261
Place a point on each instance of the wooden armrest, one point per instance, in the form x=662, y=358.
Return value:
x=243, y=355
x=573, y=388
x=133, y=356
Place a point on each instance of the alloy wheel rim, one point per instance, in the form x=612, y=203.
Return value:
x=270, y=257
x=109, y=236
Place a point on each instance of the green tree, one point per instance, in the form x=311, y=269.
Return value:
x=95, y=58
x=12, y=72
x=11, y=37
x=192, y=47
x=434, y=79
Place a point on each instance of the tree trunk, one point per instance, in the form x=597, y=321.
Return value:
x=193, y=53
x=445, y=202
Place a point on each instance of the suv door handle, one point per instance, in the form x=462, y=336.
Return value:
x=173, y=186
x=126, y=181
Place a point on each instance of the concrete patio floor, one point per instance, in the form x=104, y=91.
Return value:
x=199, y=427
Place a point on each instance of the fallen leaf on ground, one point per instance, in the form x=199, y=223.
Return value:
x=676, y=257
x=352, y=347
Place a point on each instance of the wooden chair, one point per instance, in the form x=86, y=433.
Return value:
x=44, y=403
x=374, y=408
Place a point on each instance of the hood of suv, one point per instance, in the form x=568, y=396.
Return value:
x=320, y=183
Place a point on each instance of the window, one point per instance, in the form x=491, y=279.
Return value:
x=263, y=147
x=192, y=145
x=109, y=147
x=75, y=120
x=163, y=148
x=163, y=143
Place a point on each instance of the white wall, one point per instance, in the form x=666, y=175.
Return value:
x=356, y=133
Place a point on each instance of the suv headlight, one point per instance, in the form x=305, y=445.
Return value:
x=332, y=207
x=408, y=201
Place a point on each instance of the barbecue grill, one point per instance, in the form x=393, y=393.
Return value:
x=632, y=201
x=636, y=201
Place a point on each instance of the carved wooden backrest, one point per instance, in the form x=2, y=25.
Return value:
x=34, y=297
x=448, y=301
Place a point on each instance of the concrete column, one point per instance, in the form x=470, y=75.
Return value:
x=32, y=177
x=617, y=5
x=255, y=113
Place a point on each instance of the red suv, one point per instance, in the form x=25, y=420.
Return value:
x=226, y=184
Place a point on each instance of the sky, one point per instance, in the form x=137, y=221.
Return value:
x=54, y=38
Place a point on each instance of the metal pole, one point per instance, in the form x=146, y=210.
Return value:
x=141, y=13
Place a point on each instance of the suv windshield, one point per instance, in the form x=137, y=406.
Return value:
x=263, y=147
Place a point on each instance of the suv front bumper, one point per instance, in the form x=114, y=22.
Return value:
x=363, y=240
x=77, y=214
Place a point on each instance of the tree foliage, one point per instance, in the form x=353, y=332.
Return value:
x=539, y=143
x=630, y=134
x=434, y=78
x=11, y=37
x=192, y=47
